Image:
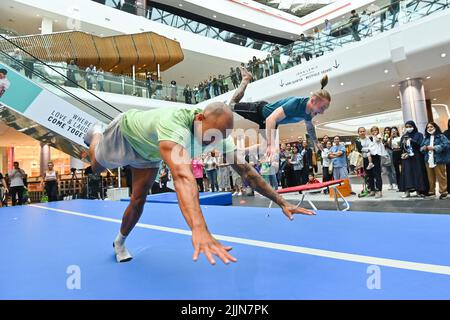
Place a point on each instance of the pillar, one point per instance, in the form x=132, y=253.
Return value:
x=412, y=99
x=44, y=158
x=46, y=25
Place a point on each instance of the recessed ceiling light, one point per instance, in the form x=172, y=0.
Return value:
x=428, y=77
x=342, y=83
x=38, y=15
x=214, y=16
x=408, y=78
x=347, y=108
x=243, y=25
x=398, y=97
x=180, y=4
x=386, y=71
x=443, y=55
x=393, y=86
x=434, y=99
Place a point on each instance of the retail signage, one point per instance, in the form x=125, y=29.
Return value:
x=308, y=73
x=43, y=107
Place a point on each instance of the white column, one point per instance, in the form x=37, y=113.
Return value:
x=44, y=158
x=412, y=98
x=46, y=25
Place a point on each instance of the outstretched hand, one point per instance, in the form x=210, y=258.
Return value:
x=289, y=211
x=203, y=242
x=270, y=152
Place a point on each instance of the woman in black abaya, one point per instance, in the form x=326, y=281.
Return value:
x=414, y=175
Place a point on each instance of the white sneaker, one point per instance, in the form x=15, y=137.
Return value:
x=96, y=128
x=239, y=194
x=122, y=254
x=235, y=193
x=370, y=166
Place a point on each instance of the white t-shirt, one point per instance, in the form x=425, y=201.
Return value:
x=378, y=146
x=325, y=160
x=16, y=178
x=395, y=143
x=210, y=163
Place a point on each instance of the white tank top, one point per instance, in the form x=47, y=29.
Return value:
x=50, y=175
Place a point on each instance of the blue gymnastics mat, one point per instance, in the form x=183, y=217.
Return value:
x=206, y=198
x=333, y=255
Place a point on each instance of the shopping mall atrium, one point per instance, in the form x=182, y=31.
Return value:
x=183, y=128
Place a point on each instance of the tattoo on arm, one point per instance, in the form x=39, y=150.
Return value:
x=311, y=131
x=254, y=179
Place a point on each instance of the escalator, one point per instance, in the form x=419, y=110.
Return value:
x=37, y=106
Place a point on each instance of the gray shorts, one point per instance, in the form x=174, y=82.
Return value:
x=115, y=151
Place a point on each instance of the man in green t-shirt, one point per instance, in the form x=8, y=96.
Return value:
x=141, y=139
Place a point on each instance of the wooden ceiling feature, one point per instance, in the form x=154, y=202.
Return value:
x=116, y=53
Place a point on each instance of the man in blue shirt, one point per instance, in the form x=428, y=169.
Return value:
x=338, y=154
x=288, y=110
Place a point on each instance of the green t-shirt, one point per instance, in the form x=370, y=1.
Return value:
x=145, y=129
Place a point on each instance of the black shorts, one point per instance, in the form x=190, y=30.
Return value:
x=252, y=111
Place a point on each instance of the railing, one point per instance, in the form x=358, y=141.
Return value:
x=342, y=34
x=299, y=52
x=102, y=110
x=189, y=25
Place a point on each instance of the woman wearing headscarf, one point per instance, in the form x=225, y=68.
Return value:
x=414, y=176
x=447, y=135
x=436, y=148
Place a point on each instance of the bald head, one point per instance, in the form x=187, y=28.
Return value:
x=220, y=112
x=217, y=117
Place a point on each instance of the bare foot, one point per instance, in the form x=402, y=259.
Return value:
x=246, y=75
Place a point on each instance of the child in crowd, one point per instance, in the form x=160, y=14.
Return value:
x=312, y=179
x=268, y=171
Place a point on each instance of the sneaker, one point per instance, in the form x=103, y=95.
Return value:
x=234, y=193
x=407, y=195
x=370, y=166
x=239, y=194
x=378, y=195
x=122, y=254
x=372, y=194
x=443, y=196
x=96, y=128
x=391, y=187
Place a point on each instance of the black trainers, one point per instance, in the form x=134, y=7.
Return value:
x=443, y=196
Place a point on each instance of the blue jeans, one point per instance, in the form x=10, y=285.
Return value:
x=212, y=177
